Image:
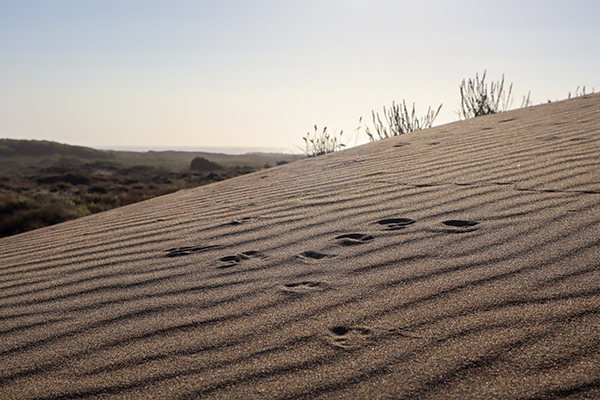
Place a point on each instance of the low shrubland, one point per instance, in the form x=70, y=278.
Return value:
x=19, y=154
x=35, y=197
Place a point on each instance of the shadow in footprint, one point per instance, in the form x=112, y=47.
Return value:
x=186, y=251
x=462, y=225
x=304, y=287
x=236, y=222
x=232, y=261
x=311, y=255
x=349, y=337
x=354, y=239
x=394, y=224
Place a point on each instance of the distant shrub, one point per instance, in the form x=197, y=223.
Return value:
x=72, y=179
x=22, y=214
x=322, y=143
x=477, y=100
x=10, y=204
x=202, y=164
x=140, y=170
x=399, y=121
x=6, y=151
x=98, y=189
x=69, y=160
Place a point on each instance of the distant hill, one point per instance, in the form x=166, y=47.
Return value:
x=16, y=154
x=43, y=183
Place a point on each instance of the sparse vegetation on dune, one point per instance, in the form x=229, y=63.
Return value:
x=399, y=121
x=580, y=93
x=322, y=143
x=43, y=183
x=477, y=99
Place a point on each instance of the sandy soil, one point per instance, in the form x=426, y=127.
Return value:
x=459, y=262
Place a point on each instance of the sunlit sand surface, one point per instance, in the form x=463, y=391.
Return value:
x=458, y=262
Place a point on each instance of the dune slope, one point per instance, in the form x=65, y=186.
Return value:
x=458, y=262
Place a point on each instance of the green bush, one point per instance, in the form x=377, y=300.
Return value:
x=21, y=214
x=6, y=151
x=140, y=169
x=12, y=204
x=202, y=164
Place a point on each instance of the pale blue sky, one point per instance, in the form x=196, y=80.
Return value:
x=261, y=73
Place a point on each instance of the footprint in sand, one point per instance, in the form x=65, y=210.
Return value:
x=232, y=261
x=394, y=224
x=304, y=287
x=185, y=251
x=310, y=255
x=236, y=222
x=354, y=239
x=460, y=226
x=349, y=337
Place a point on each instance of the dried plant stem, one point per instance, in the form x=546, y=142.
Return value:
x=399, y=121
x=476, y=100
x=322, y=143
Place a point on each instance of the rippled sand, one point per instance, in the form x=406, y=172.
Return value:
x=458, y=262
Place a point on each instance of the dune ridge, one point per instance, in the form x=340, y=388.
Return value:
x=458, y=262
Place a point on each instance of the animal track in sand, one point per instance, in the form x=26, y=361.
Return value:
x=311, y=255
x=394, y=224
x=349, y=337
x=462, y=225
x=232, y=261
x=237, y=221
x=185, y=251
x=354, y=239
x=304, y=287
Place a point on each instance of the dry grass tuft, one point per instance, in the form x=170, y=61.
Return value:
x=400, y=121
x=322, y=143
x=477, y=100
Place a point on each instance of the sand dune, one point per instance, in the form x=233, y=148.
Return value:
x=458, y=262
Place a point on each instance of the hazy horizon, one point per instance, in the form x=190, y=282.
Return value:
x=235, y=74
x=213, y=149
